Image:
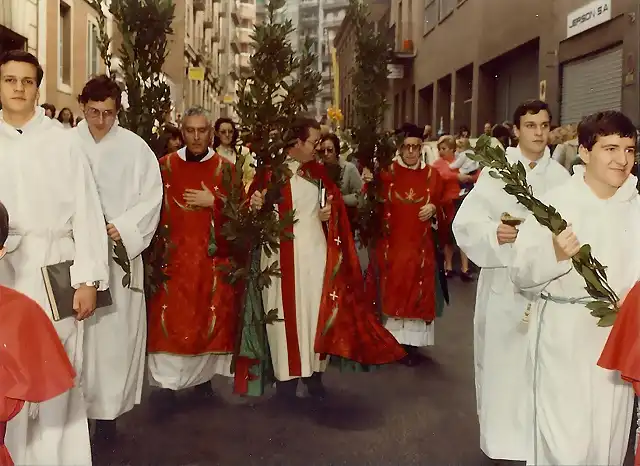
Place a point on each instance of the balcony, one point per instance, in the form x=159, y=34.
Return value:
x=245, y=62
x=234, y=40
x=199, y=5
x=244, y=35
x=309, y=19
x=333, y=22
x=246, y=11
x=403, y=46
x=328, y=5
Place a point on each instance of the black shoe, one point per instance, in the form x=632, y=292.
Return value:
x=466, y=276
x=204, y=391
x=287, y=390
x=105, y=433
x=315, y=387
x=163, y=404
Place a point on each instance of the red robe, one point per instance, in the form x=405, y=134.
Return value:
x=34, y=366
x=403, y=272
x=347, y=324
x=622, y=350
x=194, y=311
x=450, y=192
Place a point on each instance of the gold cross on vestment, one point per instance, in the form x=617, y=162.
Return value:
x=411, y=194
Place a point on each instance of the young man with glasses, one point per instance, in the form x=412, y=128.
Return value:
x=404, y=273
x=128, y=179
x=47, y=185
x=320, y=293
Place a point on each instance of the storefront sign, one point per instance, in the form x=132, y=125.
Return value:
x=588, y=16
x=196, y=73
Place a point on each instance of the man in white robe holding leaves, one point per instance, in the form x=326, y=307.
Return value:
x=500, y=336
x=128, y=178
x=582, y=412
x=47, y=186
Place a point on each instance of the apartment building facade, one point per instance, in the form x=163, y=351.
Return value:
x=466, y=62
x=320, y=21
x=208, y=50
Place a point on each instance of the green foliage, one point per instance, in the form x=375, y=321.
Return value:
x=144, y=27
x=373, y=148
x=605, y=304
x=280, y=87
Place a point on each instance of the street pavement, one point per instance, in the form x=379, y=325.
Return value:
x=398, y=415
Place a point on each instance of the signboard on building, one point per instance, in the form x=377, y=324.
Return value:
x=395, y=71
x=196, y=73
x=590, y=15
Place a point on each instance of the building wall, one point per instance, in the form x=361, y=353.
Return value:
x=476, y=63
x=68, y=43
x=21, y=17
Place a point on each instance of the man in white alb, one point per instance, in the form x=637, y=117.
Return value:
x=47, y=186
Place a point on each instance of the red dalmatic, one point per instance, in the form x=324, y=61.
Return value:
x=194, y=311
x=402, y=274
x=33, y=364
x=622, y=350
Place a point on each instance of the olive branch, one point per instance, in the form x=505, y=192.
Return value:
x=604, y=306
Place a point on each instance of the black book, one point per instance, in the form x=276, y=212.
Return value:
x=57, y=283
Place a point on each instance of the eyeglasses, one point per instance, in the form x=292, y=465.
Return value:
x=412, y=147
x=326, y=150
x=95, y=114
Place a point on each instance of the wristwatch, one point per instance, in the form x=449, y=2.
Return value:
x=96, y=285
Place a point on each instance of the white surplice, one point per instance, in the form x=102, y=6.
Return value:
x=55, y=215
x=412, y=332
x=128, y=178
x=500, y=340
x=582, y=413
x=310, y=253
x=179, y=372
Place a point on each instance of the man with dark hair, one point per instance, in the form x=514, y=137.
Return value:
x=319, y=295
x=582, y=412
x=404, y=273
x=128, y=179
x=500, y=346
x=48, y=186
x=49, y=110
x=192, y=316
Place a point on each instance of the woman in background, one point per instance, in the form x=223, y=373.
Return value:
x=65, y=117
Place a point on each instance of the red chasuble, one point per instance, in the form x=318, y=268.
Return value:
x=194, y=311
x=622, y=350
x=347, y=324
x=405, y=263
x=33, y=364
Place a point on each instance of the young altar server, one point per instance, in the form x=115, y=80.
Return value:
x=47, y=185
x=128, y=178
x=500, y=338
x=582, y=412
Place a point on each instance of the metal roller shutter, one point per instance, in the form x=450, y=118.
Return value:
x=591, y=85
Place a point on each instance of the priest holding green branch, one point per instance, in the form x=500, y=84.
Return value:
x=582, y=412
x=486, y=228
